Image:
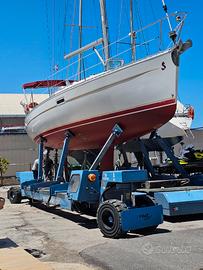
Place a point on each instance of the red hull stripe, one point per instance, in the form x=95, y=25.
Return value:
x=105, y=117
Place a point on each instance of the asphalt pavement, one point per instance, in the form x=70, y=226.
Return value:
x=73, y=241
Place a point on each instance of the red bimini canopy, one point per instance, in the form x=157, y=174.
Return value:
x=45, y=84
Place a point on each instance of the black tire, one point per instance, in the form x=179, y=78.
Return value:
x=14, y=195
x=109, y=218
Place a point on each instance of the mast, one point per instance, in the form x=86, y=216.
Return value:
x=80, y=40
x=132, y=33
x=105, y=31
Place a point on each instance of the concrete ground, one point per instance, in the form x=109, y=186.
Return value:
x=72, y=241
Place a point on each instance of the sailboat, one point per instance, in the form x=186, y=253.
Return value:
x=140, y=96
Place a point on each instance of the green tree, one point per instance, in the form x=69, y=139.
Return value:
x=3, y=165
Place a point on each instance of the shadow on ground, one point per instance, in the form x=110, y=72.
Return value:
x=87, y=223
x=75, y=217
x=184, y=218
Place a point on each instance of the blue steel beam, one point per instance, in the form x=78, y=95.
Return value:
x=40, y=155
x=147, y=161
x=116, y=132
x=63, y=156
x=167, y=149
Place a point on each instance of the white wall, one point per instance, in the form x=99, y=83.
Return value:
x=20, y=152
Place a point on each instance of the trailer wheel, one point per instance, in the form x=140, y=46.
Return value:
x=14, y=195
x=109, y=218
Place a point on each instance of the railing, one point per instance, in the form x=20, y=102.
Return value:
x=149, y=40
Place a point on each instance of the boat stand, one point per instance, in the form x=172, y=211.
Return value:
x=116, y=132
x=40, y=154
x=167, y=149
x=41, y=190
x=64, y=153
x=146, y=158
x=178, y=196
x=61, y=189
x=32, y=187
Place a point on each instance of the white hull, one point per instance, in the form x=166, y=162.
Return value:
x=145, y=85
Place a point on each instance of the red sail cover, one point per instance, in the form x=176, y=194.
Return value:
x=44, y=84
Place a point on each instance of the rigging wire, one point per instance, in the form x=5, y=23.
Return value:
x=72, y=30
x=48, y=35
x=96, y=22
x=61, y=20
x=159, y=28
x=53, y=35
x=119, y=27
x=86, y=56
x=113, y=43
x=166, y=11
x=93, y=66
x=64, y=26
x=63, y=42
x=59, y=36
x=127, y=15
x=96, y=19
x=141, y=26
x=152, y=9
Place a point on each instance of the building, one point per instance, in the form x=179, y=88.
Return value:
x=15, y=145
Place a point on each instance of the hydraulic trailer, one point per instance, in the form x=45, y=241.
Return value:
x=111, y=195
x=178, y=196
x=178, y=201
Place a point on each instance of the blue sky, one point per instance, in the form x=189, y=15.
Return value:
x=34, y=39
